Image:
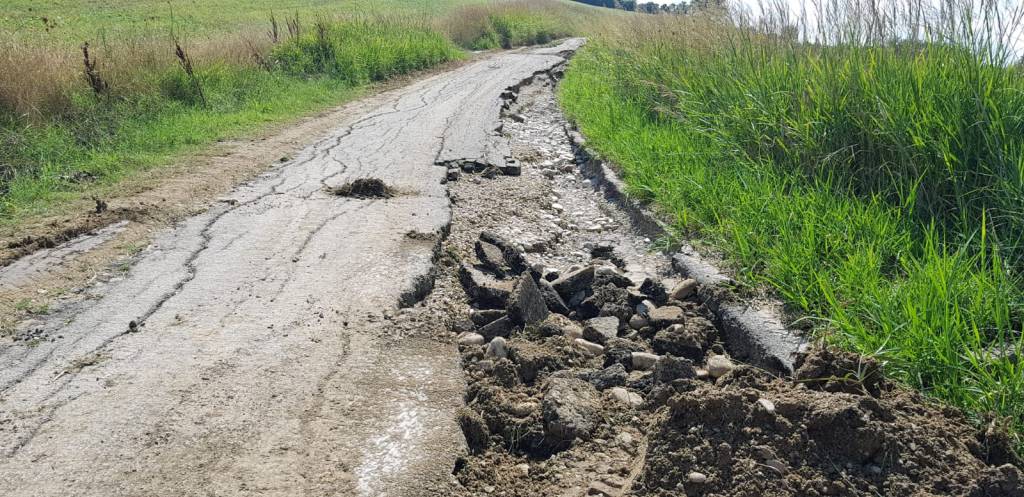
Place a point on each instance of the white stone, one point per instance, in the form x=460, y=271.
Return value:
x=684, y=289
x=644, y=360
x=766, y=404
x=695, y=477
x=632, y=399
x=589, y=347
x=471, y=339
x=497, y=348
x=719, y=365
x=637, y=321
x=523, y=469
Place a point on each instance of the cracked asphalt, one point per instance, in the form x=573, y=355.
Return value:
x=255, y=364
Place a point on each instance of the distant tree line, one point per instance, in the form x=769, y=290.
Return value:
x=654, y=8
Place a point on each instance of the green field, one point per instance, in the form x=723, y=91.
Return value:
x=76, y=21
x=875, y=187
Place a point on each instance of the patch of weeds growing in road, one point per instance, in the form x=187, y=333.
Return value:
x=32, y=306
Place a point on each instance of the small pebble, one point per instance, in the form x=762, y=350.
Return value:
x=497, y=348
x=719, y=365
x=767, y=405
x=471, y=339
x=523, y=469
x=589, y=347
x=643, y=360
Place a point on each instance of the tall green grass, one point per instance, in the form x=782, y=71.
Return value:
x=509, y=29
x=362, y=51
x=508, y=24
x=873, y=181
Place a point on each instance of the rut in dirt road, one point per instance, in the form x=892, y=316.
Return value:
x=241, y=355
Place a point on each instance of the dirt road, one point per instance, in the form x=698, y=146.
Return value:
x=241, y=353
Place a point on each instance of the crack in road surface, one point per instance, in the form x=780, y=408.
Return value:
x=257, y=366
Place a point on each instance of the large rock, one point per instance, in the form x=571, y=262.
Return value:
x=575, y=282
x=670, y=368
x=570, y=410
x=513, y=257
x=684, y=289
x=501, y=327
x=491, y=258
x=686, y=340
x=665, y=316
x=600, y=330
x=526, y=304
x=551, y=297
x=484, y=291
x=620, y=351
x=612, y=376
x=485, y=316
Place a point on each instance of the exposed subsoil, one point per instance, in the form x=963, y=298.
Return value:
x=593, y=370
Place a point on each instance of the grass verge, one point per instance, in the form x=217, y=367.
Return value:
x=873, y=182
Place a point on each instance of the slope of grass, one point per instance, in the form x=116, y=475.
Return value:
x=876, y=187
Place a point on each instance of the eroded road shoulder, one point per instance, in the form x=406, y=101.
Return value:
x=249, y=350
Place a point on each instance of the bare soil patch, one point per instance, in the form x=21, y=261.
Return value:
x=363, y=188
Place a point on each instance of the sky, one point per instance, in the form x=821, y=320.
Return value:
x=1015, y=39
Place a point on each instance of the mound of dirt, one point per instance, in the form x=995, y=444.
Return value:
x=363, y=188
x=840, y=432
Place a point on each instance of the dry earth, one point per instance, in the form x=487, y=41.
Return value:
x=362, y=321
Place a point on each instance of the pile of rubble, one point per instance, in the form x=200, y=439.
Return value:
x=544, y=350
x=564, y=362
